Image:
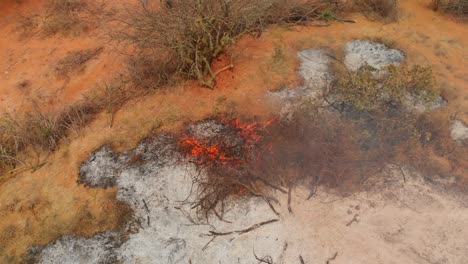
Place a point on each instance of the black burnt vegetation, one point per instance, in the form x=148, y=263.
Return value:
x=363, y=123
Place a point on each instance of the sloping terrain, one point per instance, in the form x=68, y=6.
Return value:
x=406, y=217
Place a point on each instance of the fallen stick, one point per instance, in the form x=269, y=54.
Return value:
x=355, y=219
x=301, y=259
x=266, y=259
x=243, y=231
x=271, y=206
x=343, y=19
x=332, y=258
x=146, y=206
x=206, y=245
x=289, y=200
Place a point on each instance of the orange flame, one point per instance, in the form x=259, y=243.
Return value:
x=219, y=152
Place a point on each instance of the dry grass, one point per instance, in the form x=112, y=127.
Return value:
x=150, y=71
x=40, y=131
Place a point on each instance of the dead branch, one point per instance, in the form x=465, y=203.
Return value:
x=355, y=219
x=289, y=200
x=271, y=206
x=219, y=216
x=266, y=259
x=206, y=245
x=301, y=259
x=343, y=19
x=332, y=258
x=146, y=206
x=243, y=231
x=403, y=173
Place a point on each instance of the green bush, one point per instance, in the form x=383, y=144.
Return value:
x=368, y=89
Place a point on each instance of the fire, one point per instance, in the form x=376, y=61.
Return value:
x=231, y=147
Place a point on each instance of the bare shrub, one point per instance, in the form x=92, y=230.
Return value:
x=457, y=7
x=62, y=16
x=109, y=97
x=150, y=71
x=74, y=62
x=188, y=35
x=384, y=9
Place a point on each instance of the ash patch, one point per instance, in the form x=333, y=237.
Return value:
x=157, y=150
x=459, y=132
x=206, y=129
x=361, y=52
x=101, y=169
x=414, y=103
x=315, y=69
x=215, y=131
x=167, y=230
x=99, y=249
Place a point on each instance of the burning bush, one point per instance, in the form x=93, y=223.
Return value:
x=235, y=157
x=222, y=148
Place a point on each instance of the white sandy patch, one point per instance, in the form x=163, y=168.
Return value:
x=400, y=220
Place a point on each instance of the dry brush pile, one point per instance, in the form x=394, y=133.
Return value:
x=183, y=37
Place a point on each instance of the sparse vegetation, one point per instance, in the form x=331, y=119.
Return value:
x=188, y=35
x=456, y=7
x=149, y=71
x=384, y=9
x=62, y=16
x=369, y=89
x=74, y=62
